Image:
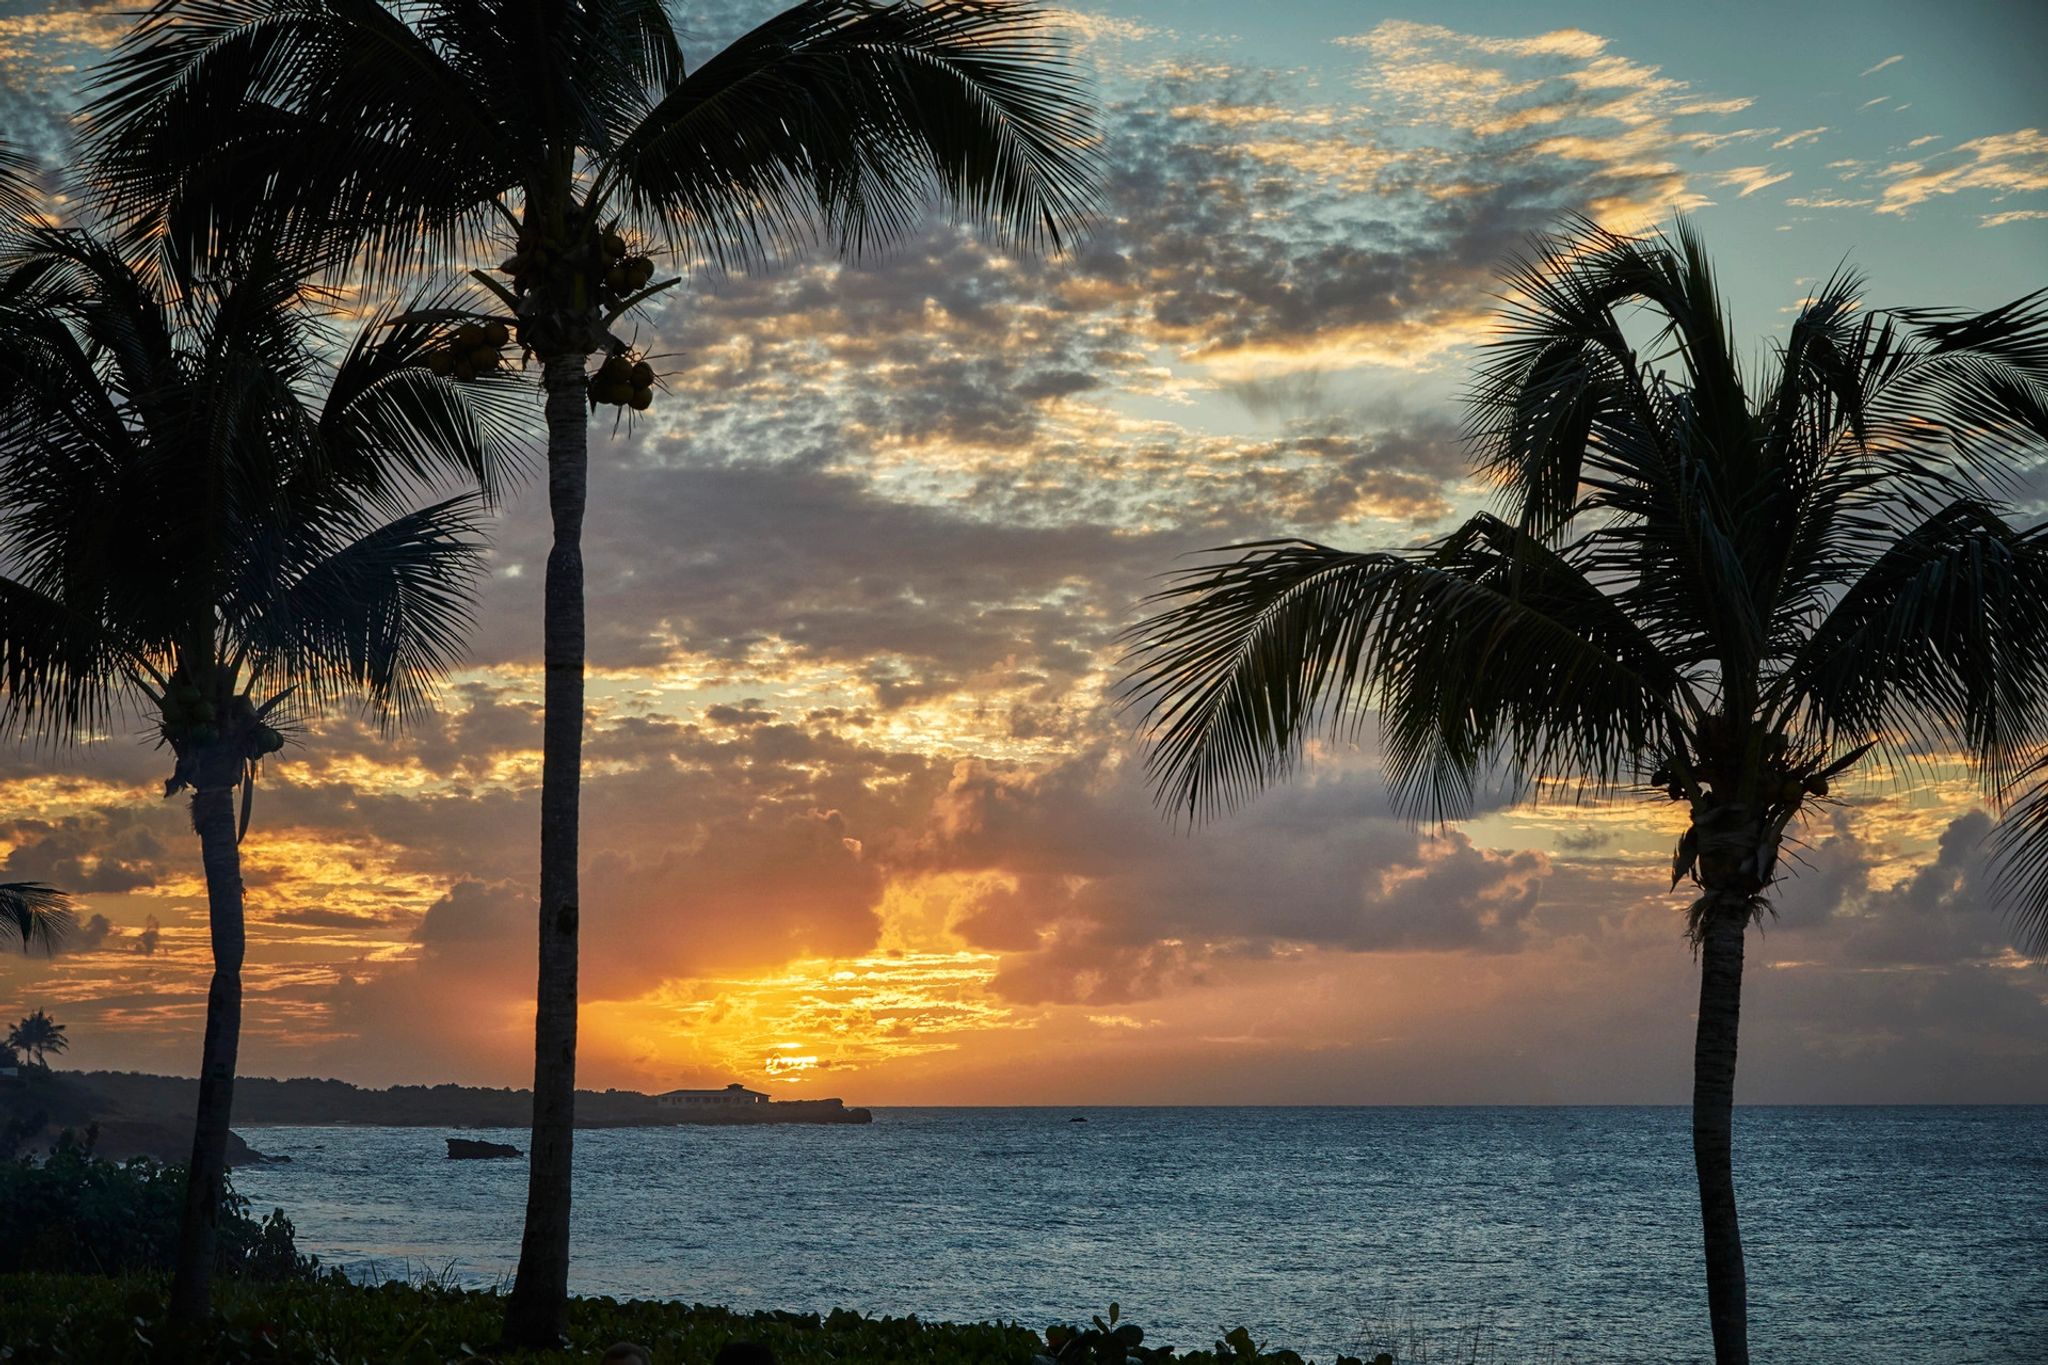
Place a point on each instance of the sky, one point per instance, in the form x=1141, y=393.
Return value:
x=860, y=816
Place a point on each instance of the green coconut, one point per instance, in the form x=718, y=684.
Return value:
x=643, y=375
x=641, y=399
x=496, y=334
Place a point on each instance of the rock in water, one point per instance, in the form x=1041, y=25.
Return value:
x=470, y=1148
x=627, y=1353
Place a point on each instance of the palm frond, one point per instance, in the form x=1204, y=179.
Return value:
x=848, y=116
x=1568, y=423
x=19, y=200
x=34, y=914
x=1487, y=647
x=1507, y=653
x=214, y=115
x=382, y=615
x=1942, y=641
x=390, y=425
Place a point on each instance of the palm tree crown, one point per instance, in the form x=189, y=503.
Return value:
x=38, y=1035
x=557, y=122
x=1720, y=586
x=208, y=502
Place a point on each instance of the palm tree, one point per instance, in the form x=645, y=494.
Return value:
x=1714, y=584
x=33, y=913
x=210, y=515
x=38, y=1035
x=567, y=136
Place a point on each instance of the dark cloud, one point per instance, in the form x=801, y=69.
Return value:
x=1112, y=903
x=114, y=850
x=1942, y=913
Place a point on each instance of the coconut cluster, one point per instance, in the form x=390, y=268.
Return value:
x=189, y=719
x=1718, y=764
x=623, y=382
x=625, y=273
x=619, y=270
x=472, y=349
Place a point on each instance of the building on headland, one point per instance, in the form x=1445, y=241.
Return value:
x=736, y=1104
x=734, y=1094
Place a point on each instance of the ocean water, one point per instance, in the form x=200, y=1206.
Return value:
x=1872, y=1234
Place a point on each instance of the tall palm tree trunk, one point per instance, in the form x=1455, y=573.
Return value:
x=1713, y=1105
x=537, y=1314
x=213, y=817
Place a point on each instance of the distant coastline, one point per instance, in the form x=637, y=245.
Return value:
x=147, y=1115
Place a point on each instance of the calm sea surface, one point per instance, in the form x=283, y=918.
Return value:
x=1892, y=1234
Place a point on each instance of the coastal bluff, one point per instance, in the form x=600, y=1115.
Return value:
x=121, y=1098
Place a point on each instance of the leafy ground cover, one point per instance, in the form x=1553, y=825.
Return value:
x=119, y=1320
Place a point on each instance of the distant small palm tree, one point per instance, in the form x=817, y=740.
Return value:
x=38, y=1035
x=572, y=134
x=1717, y=585
x=31, y=914
x=209, y=513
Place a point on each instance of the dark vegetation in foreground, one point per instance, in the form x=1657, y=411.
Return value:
x=71, y=1211
x=116, y=1321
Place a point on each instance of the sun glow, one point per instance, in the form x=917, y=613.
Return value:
x=853, y=1013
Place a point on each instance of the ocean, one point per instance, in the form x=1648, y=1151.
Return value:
x=1873, y=1234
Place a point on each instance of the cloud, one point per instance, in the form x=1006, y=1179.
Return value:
x=1103, y=902
x=2002, y=165
x=854, y=791
x=1752, y=179
x=1892, y=60
x=113, y=850
x=1804, y=135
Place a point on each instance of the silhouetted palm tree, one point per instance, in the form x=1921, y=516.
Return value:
x=32, y=913
x=1720, y=583
x=38, y=1035
x=204, y=517
x=571, y=132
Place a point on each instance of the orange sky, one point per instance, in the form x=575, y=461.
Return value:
x=859, y=816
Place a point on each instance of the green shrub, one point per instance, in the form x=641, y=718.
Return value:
x=73, y=1212
x=332, y=1321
